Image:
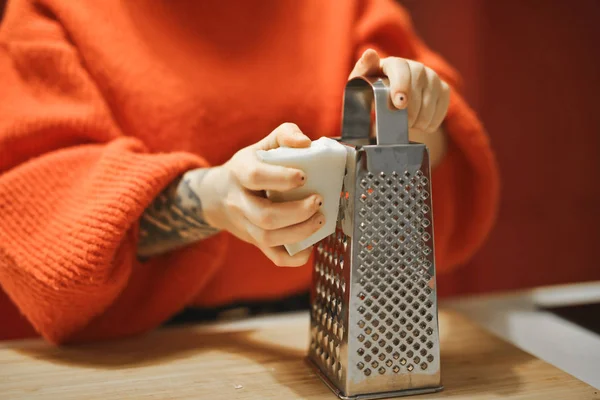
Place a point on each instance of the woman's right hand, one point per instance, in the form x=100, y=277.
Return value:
x=233, y=199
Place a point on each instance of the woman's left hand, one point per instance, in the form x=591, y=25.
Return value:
x=411, y=84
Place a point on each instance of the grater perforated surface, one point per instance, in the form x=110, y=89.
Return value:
x=329, y=324
x=396, y=327
x=374, y=319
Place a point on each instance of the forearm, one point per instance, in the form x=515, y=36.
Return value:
x=175, y=217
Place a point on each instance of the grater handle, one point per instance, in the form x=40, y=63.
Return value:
x=391, y=124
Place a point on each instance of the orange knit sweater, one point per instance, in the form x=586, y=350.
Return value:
x=103, y=103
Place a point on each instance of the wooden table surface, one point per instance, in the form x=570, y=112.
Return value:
x=260, y=359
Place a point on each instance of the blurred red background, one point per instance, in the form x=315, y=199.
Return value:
x=531, y=69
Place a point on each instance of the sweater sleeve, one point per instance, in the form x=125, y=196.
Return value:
x=465, y=184
x=72, y=187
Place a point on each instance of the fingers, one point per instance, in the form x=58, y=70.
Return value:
x=431, y=93
x=275, y=224
x=273, y=216
x=367, y=65
x=285, y=135
x=433, y=103
x=441, y=108
x=287, y=235
x=399, y=73
x=412, y=85
x=277, y=254
x=281, y=258
x=256, y=175
x=418, y=83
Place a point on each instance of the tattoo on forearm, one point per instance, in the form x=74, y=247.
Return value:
x=174, y=219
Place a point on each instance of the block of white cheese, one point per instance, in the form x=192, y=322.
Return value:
x=324, y=164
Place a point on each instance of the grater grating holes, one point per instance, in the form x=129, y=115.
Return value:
x=327, y=321
x=393, y=262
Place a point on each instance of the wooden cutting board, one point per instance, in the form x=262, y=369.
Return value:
x=260, y=359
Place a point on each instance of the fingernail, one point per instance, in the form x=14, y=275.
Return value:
x=321, y=219
x=400, y=100
x=318, y=201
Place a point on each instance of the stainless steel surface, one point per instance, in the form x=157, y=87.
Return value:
x=391, y=124
x=374, y=328
x=370, y=396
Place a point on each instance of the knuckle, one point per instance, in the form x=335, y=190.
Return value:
x=261, y=236
x=415, y=66
x=390, y=64
x=275, y=261
x=303, y=259
x=395, y=61
x=430, y=72
x=253, y=174
x=231, y=204
x=300, y=259
x=280, y=260
x=266, y=219
x=445, y=89
x=421, y=125
x=289, y=127
x=418, y=70
x=436, y=82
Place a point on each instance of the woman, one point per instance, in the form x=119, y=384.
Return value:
x=127, y=140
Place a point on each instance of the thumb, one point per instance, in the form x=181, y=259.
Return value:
x=285, y=135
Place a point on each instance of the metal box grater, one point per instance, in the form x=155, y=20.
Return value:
x=374, y=324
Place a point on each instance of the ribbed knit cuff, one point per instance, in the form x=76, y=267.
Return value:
x=65, y=217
